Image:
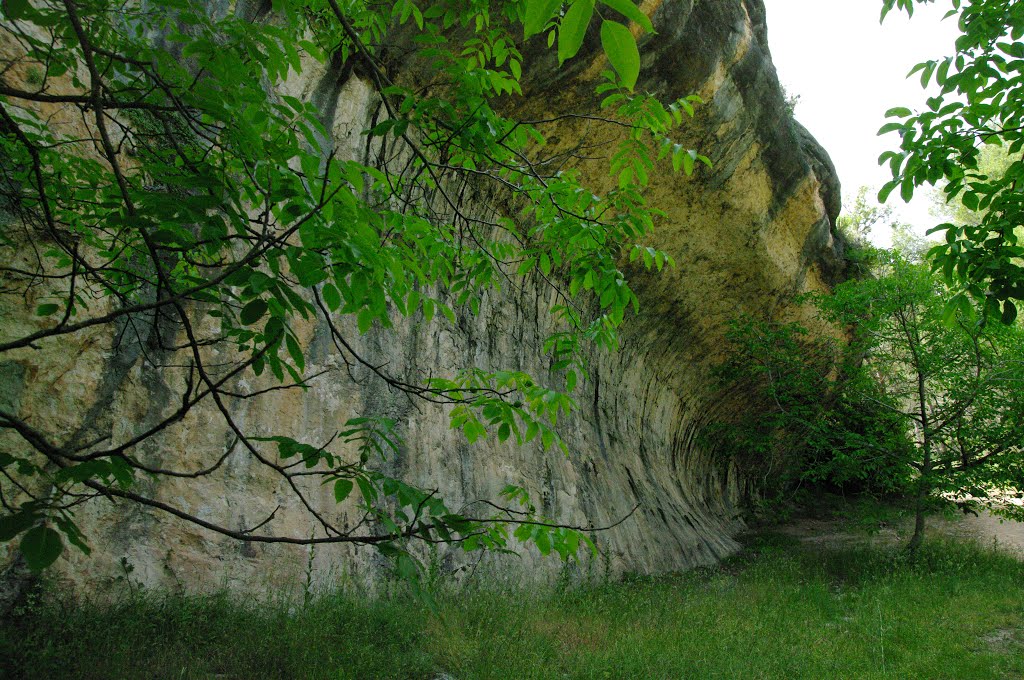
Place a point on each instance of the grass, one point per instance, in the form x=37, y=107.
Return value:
x=775, y=611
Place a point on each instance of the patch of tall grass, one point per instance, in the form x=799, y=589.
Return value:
x=777, y=610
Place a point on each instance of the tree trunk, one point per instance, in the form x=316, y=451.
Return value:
x=920, y=502
x=918, y=537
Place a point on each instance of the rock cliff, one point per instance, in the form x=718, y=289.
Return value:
x=746, y=234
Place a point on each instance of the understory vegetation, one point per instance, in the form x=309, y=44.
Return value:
x=778, y=609
x=908, y=394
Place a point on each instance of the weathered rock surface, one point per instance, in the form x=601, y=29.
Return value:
x=746, y=235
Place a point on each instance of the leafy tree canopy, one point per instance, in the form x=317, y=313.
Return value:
x=863, y=215
x=921, y=402
x=200, y=213
x=993, y=161
x=980, y=102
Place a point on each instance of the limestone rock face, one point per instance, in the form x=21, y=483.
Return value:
x=746, y=236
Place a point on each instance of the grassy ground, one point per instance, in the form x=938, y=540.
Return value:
x=778, y=610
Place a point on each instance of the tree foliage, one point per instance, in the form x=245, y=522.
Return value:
x=201, y=212
x=993, y=161
x=921, y=400
x=980, y=102
x=807, y=428
x=862, y=215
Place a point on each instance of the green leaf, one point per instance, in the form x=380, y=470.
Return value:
x=295, y=351
x=364, y=320
x=367, y=490
x=406, y=568
x=83, y=471
x=41, y=546
x=620, y=47
x=122, y=471
x=73, y=533
x=342, y=488
x=12, y=525
x=926, y=72
x=332, y=298
x=627, y=9
x=883, y=193
x=538, y=13
x=589, y=543
x=381, y=128
x=253, y=312
x=15, y=9
x=46, y=310
x=542, y=539
x=573, y=29
x=907, y=189
x=688, y=161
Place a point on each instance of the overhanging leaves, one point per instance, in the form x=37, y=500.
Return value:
x=41, y=546
x=620, y=47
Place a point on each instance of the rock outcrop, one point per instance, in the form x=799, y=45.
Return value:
x=746, y=234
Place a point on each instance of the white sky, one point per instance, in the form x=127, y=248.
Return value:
x=848, y=71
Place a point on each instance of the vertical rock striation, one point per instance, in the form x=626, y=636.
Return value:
x=746, y=234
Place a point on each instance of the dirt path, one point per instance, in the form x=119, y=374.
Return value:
x=986, y=529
